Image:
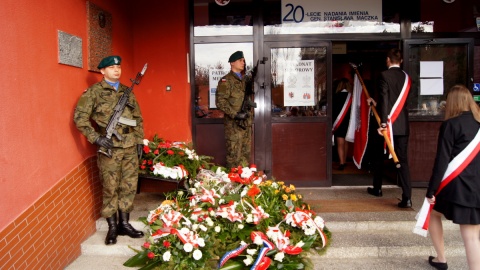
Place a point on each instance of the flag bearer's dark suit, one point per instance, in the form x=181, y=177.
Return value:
x=390, y=86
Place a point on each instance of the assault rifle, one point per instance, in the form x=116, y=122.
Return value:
x=117, y=114
x=247, y=103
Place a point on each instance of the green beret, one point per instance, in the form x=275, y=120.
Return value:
x=110, y=61
x=235, y=56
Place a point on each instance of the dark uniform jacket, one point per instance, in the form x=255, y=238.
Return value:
x=230, y=94
x=455, y=134
x=390, y=85
x=97, y=104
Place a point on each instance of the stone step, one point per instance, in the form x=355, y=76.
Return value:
x=94, y=262
x=390, y=263
x=372, y=239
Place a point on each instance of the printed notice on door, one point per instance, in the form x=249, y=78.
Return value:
x=299, y=87
x=214, y=75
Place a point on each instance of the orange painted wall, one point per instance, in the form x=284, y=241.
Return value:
x=40, y=144
x=160, y=33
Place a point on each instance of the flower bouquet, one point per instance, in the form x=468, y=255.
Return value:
x=234, y=220
x=171, y=160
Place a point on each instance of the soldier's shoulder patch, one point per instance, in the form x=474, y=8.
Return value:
x=224, y=80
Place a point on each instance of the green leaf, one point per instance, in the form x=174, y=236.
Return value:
x=151, y=265
x=137, y=260
x=233, y=265
x=309, y=242
x=292, y=266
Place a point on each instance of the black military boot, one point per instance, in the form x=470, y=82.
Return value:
x=124, y=228
x=112, y=234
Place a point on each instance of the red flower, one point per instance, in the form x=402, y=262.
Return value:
x=166, y=244
x=146, y=245
x=156, y=152
x=150, y=162
x=253, y=191
x=144, y=162
x=170, y=152
x=181, y=153
x=143, y=167
x=151, y=255
x=146, y=149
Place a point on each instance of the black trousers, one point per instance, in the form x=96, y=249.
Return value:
x=400, y=144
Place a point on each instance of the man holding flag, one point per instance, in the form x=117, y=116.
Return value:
x=394, y=87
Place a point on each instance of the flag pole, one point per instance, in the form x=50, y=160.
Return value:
x=375, y=113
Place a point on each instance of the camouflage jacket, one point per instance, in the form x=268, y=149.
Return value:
x=97, y=104
x=230, y=94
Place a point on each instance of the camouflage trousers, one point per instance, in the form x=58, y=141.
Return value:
x=119, y=176
x=238, y=143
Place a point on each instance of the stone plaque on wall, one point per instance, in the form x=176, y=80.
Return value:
x=70, y=49
x=99, y=24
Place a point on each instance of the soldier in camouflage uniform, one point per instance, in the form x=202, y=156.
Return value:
x=230, y=94
x=119, y=174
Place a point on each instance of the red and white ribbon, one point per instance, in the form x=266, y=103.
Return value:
x=397, y=108
x=343, y=112
x=454, y=168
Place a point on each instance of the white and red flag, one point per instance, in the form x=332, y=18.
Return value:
x=360, y=120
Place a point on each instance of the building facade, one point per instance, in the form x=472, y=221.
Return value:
x=50, y=196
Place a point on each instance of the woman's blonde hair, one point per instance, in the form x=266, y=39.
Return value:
x=344, y=83
x=459, y=100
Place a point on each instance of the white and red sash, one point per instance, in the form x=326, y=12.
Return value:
x=397, y=108
x=343, y=112
x=454, y=168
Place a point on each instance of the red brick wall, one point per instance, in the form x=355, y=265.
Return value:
x=49, y=233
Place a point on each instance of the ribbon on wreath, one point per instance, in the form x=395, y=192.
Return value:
x=302, y=219
x=262, y=262
x=232, y=254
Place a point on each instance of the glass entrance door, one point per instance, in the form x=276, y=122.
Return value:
x=297, y=121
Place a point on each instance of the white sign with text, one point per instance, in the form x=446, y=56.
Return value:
x=299, y=87
x=297, y=11
x=213, y=77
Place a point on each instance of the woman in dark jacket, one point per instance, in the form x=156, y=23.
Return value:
x=341, y=116
x=459, y=199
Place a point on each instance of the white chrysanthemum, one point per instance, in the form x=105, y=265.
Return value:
x=188, y=247
x=166, y=256
x=197, y=185
x=217, y=229
x=203, y=228
x=221, y=201
x=184, y=230
x=274, y=185
x=258, y=241
x=240, y=226
x=248, y=261
x=249, y=218
x=251, y=251
x=310, y=231
x=201, y=242
x=193, y=191
x=194, y=226
x=197, y=254
x=246, y=172
x=146, y=142
x=279, y=256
